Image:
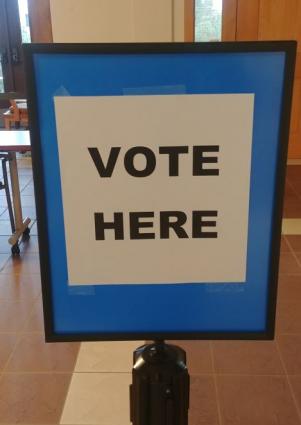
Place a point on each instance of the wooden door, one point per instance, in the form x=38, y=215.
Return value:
x=246, y=20
x=281, y=19
x=276, y=20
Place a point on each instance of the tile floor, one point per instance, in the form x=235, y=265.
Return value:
x=232, y=383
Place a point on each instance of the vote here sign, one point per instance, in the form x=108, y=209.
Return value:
x=160, y=186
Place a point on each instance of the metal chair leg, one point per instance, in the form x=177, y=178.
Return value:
x=8, y=198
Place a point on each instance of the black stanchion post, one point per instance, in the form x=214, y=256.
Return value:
x=159, y=394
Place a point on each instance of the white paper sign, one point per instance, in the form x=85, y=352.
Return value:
x=172, y=198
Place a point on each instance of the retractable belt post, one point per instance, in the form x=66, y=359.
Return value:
x=159, y=394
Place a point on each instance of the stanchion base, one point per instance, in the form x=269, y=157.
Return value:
x=159, y=394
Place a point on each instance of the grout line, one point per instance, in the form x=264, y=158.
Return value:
x=293, y=252
x=292, y=187
x=21, y=336
x=219, y=413
x=4, y=264
x=3, y=212
x=172, y=20
x=288, y=380
x=27, y=184
x=291, y=226
x=10, y=356
x=69, y=386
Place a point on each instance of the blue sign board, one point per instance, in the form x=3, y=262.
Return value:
x=159, y=175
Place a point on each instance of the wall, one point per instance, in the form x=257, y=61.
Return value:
x=117, y=20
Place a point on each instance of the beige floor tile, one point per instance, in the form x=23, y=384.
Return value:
x=290, y=348
x=98, y=398
x=32, y=354
x=32, y=398
x=198, y=354
x=294, y=162
x=247, y=357
x=24, y=162
x=262, y=400
x=19, y=287
x=291, y=226
x=7, y=344
x=203, y=405
x=106, y=356
x=25, y=171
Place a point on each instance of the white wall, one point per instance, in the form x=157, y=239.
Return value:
x=117, y=20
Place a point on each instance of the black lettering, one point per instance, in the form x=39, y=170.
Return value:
x=198, y=223
x=199, y=160
x=150, y=161
x=166, y=224
x=173, y=152
x=136, y=225
x=104, y=170
x=101, y=225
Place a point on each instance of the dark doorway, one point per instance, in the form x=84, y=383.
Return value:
x=14, y=29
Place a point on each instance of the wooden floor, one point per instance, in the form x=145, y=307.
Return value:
x=232, y=383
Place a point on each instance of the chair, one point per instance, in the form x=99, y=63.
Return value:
x=16, y=114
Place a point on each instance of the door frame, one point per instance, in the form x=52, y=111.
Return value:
x=229, y=20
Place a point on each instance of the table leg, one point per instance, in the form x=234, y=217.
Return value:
x=19, y=223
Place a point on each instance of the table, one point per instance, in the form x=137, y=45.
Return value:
x=12, y=142
x=22, y=106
